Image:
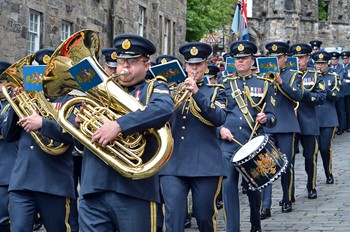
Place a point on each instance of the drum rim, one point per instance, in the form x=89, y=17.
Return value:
x=250, y=156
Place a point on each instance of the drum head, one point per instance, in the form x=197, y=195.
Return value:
x=248, y=148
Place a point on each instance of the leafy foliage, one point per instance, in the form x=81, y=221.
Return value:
x=205, y=16
x=322, y=10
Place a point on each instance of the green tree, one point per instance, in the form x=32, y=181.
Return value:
x=206, y=16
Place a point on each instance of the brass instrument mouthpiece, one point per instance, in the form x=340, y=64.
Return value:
x=122, y=73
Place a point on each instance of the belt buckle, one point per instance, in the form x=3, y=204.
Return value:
x=236, y=93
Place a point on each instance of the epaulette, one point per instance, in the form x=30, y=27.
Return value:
x=229, y=78
x=296, y=71
x=313, y=70
x=76, y=93
x=159, y=78
x=334, y=74
x=216, y=85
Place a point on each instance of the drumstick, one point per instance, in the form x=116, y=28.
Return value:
x=236, y=141
x=257, y=123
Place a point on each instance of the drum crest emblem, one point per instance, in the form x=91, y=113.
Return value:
x=266, y=165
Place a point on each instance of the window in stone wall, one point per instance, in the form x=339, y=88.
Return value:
x=323, y=10
x=66, y=30
x=141, y=20
x=34, y=32
x=167, y=36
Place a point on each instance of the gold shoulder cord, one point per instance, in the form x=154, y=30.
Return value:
x=254, y=104
x=242, y=105
x=290, y=84
x=195, y=110
x=335, y=82
x=3, y=112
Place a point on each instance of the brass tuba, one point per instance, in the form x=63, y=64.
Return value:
x=24, y=102
x=108, y=99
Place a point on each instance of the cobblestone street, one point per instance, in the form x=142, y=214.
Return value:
x=329, y=212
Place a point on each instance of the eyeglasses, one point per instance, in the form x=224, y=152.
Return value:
x=131, y=61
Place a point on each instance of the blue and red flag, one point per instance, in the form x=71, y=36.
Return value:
x=240, y=20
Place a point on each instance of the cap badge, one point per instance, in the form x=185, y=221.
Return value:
x=194, y=51
x=240, y=47
x=320, y=56
x=126, y=44
x=274, y=47
x=114, y=55
x=46, y=59
x=207, y=71
x=298, y=48
x=163, y=61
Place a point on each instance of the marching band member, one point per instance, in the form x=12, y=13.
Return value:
x=326, y=113
x=109, y=201
x=192, y=167
x=8, y=155
x=287, y=92
x=39, y=179
x=314, y=94
x=110, y=61
x=246, y=95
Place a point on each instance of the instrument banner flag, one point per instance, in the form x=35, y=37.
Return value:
x=87, y=74
x=267, y=64
x=292, y=63
x=33, y=77
x=171, y=70
x=230, y=64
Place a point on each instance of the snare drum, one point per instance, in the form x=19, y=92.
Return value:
x=260, y=162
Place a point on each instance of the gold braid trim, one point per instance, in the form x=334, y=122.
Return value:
x=195, y=110
x=290, y=84
x=254, y=104
x=315, y=79
x=150, y=90
x=335, y=82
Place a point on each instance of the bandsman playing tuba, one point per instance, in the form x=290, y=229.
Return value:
x=111, y=201
x=40, y=182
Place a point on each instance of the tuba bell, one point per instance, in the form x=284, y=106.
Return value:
x=108, y=99
x=24, y=102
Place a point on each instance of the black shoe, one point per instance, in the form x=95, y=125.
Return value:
x=312, y=194
x=292, y=199
x=330, y=179
x=37, y=226
x=219, y=204
x=265, y=213
x=255, y=228
x=188, y=221
x=287, y=207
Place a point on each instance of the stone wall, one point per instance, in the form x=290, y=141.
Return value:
x=108, y=17
x=298, y=21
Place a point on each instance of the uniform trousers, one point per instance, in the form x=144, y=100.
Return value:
x=341, y=113
x=285, y=143
x=310, y=149
x=111, y=211
x=231, y=198
x=204, y=193
x=4, y=204
x=347, y=111
x=53, y=209
x=325, y=146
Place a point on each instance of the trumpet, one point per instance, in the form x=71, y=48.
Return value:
x=180, y=94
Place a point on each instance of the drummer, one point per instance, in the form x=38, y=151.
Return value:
x=246, y=96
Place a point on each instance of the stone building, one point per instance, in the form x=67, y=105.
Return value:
x=27, y=26
x=299, y=21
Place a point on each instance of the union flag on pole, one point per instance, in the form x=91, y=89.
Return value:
x=240, y=20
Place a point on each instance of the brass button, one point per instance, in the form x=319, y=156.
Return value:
x=182, y=137
x=183, y=127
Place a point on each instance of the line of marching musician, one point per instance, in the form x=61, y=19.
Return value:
x=242, y=124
